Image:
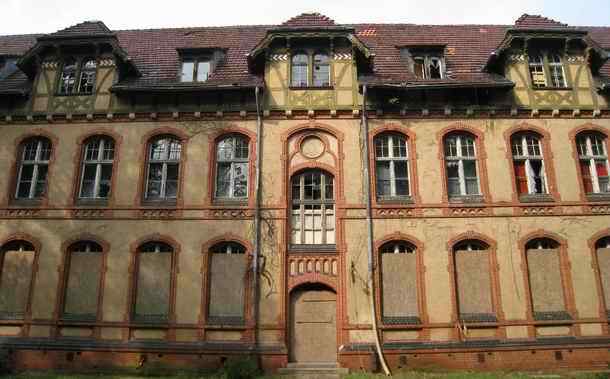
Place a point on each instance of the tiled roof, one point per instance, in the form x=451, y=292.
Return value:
x=84, y=29
x=155, y=51
x=527, y=21
x=309, y=19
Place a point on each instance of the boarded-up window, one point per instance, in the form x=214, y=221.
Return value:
x=399, y=283
x=83, y=281
x=227, y=283
x=17, y=262
x=603, y=260
x=473, y=281
x=546, y=285
x=153, y=284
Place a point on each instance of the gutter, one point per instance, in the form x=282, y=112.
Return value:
x=369, y=220
x=407, y=86
x=257, y=212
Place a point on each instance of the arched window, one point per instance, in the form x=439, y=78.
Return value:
x=16, y=278
x=313, y=208
x=321, y=70
x=232, y=153
x=473, y=281
x=33, y=168
x=602, y=251
x=67, y=81
x=96, y=170
x=399, y=283
x=300, y=72
x=545, y=279
x=163, y=168
x=461, y=165
x=88, y=72
x=153, y=286
x=392, y=166
x=83, y=280
x=593, y=158
x=227, y=283
x=528, y=163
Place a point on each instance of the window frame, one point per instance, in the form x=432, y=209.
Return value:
x=36, y=163
x=99, y=162
x=427, y=58
x=65, y=277
x=163, y=198
x=232, y=162
x=79, y=71
x=137, y=250
x=310, y=54
x=463, y=195
x=196, y=60
x=322, y=202
x=590, y=160
x=547, y=67
x=527, y=158
x=390, y=135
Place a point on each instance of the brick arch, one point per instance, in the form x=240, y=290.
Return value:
x=603, y=306
x=295, y=170
x=471, y=235
x=308, y=279
x=228, y=237
x=86, y=237
x=22, y=237
x=588, y=127
x=154, y=238
x=541, y=233
x=313, y=125
x=399, y=236
x=547, y=155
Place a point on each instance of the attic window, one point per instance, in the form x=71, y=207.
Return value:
x=547, y=71
x=428, y=63
x=195, y=69
x=78, y=76
x=7, y=67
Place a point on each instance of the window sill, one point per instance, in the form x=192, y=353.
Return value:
x=171, y=203
x=408, y=320
x=230, y=202
x=27, y=203
x=552, y=88
x=312, y=248
x=478, y=318
x=311, y=88
x=73, y=94
x=391, y=200
x=536, y=198
x=84, y=202
x=553, y=316
x=466, y=199
x=594, y=197
x=223, y=322
x=149, y=320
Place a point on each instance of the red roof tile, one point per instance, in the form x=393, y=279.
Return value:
x=84, y=29
x=309, y=19
x=527, y=21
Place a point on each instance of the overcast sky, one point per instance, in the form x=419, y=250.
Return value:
x=45, y=16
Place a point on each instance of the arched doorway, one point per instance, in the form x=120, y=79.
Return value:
x=313, y=324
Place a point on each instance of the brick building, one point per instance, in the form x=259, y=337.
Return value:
x=300, y=191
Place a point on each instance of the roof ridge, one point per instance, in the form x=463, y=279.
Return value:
x=536, y=20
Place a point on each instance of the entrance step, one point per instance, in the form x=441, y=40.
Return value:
x=313, y=370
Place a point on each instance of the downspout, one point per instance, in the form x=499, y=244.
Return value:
x=257, y=214
x=369, y=221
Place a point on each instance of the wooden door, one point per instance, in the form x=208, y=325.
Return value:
x=313, y=336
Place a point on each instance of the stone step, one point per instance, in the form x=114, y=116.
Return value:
x=313, y=370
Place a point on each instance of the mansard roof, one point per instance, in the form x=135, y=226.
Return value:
x=155, y=52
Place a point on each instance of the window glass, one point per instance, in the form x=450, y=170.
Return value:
x=593, y=159
x=232, y=167
x=300, y=74
x=163, y=168
x=313, y=217
x=32, y=176
x=321, y=70
x=203, y=71
x=188, y=70
x=96, y=170
x=392, y=169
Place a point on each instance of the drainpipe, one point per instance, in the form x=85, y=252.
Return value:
x=364, y=124
x=257, y=213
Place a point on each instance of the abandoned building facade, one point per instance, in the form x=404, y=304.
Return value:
x=300, y=191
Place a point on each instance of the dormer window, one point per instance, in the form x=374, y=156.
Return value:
x=310, y=69
x=547, y=71
x=78, y=76
x=428, y=66
x=195, y=69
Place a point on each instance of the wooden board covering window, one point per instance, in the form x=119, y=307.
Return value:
x=473, y=282
x=15, y=282
x=603, y=259
x=153, y=286
x=399, y=284
x=83, y=284
x=545, y=280
x=227, y=285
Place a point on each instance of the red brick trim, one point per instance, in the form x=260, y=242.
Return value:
x=420, y=280
x=566, y=276
x=494, y=272
x=588, y=127
x=64, y=270
x=250, y=322
x=213, y=140
x=27, y=317
x=591, y=242
x=78, y=162
x=412, y=153
x=145, y=140
x=133, y=277
x=481, y=159
x=14, y=172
